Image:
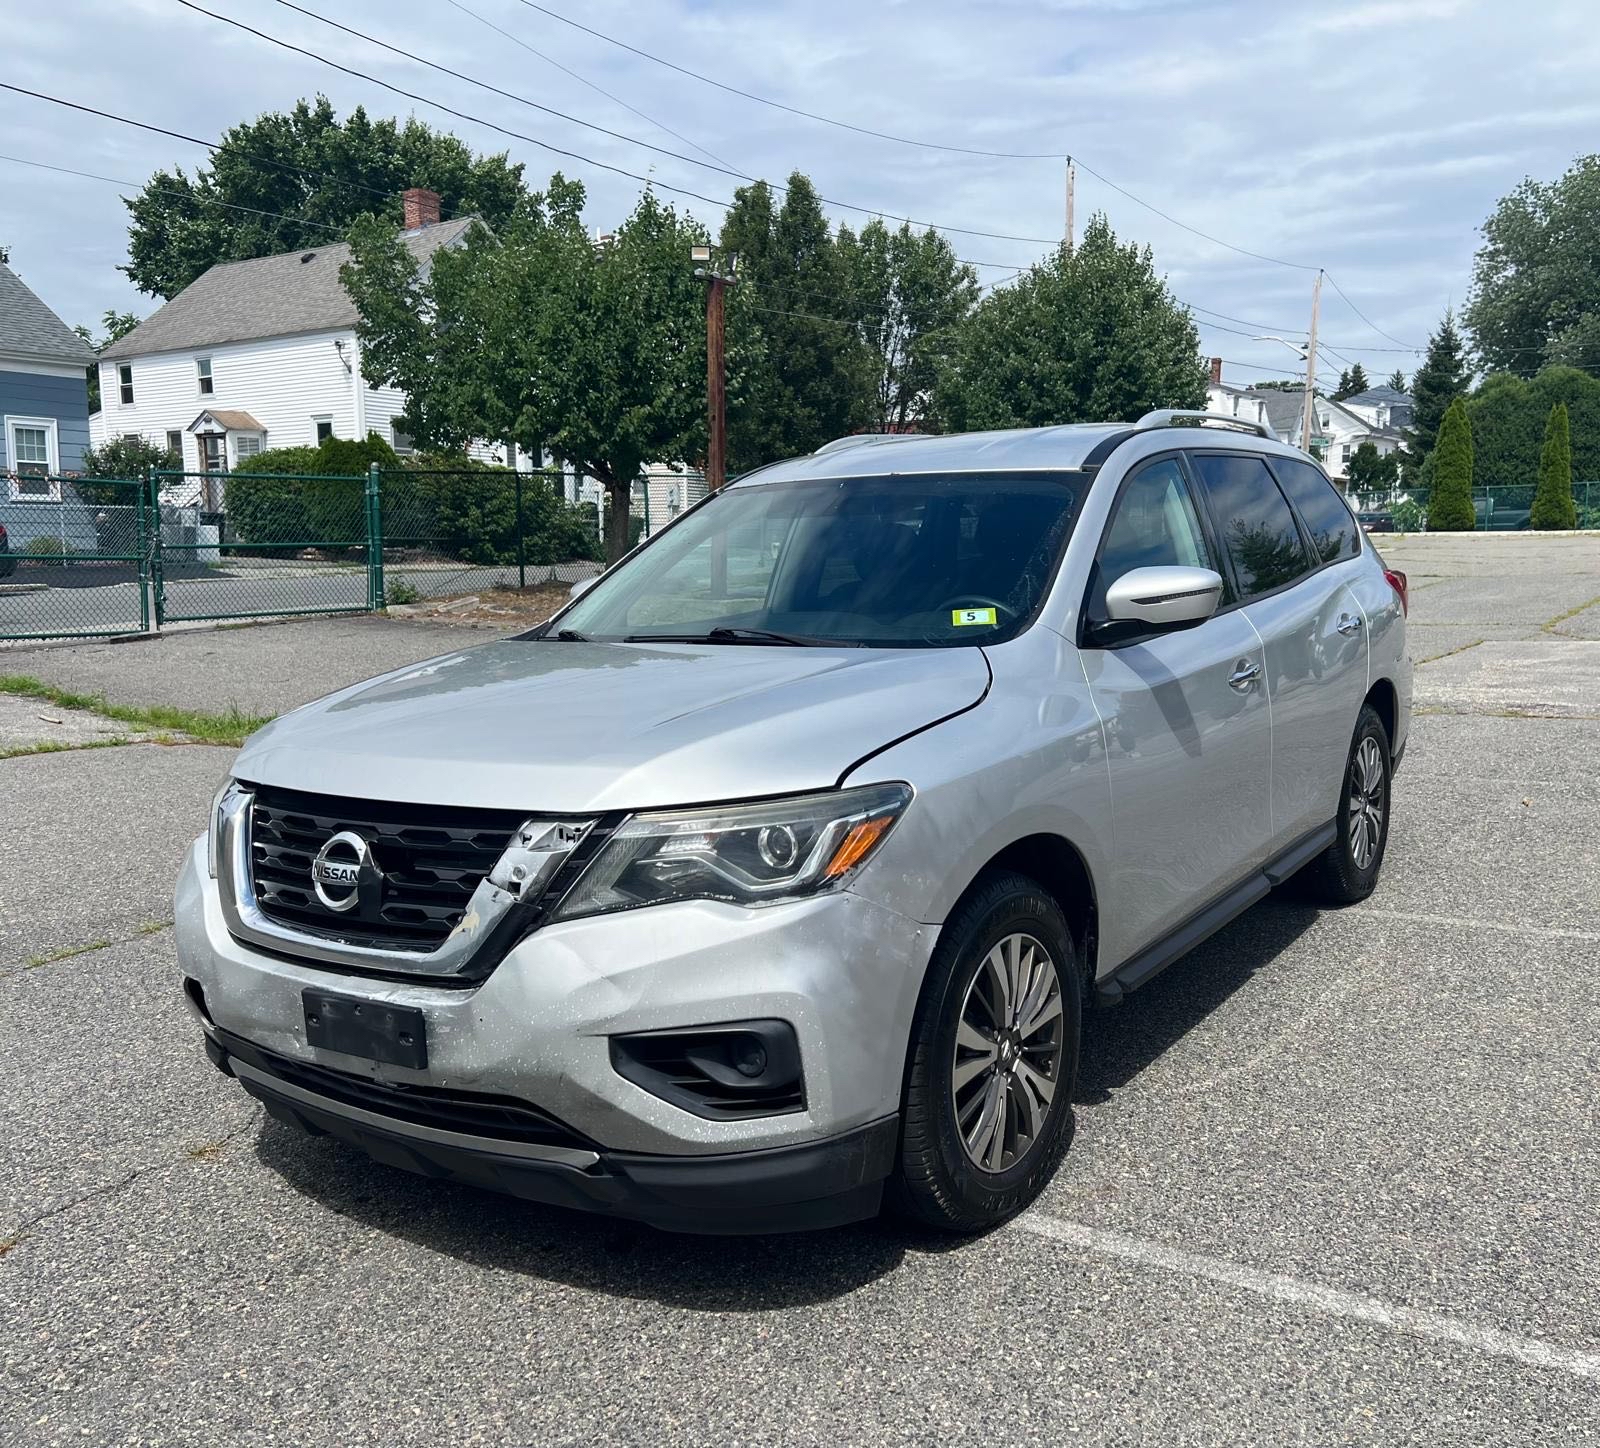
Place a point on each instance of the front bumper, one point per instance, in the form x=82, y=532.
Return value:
x=842, y=970
x=798, y=1188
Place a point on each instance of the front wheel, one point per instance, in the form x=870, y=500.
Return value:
x=1347, y=871
x=994, y=1054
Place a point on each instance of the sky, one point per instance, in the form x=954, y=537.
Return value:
x=1367, y=137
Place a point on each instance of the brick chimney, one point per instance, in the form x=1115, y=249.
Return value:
x=421, y=207
x=1216, y=371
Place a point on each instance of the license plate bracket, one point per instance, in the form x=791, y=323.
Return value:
x=395, y=1035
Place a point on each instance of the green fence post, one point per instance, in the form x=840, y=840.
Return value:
x=375, y=598
x=141, y=551
x=158, y=582
x=522, y=558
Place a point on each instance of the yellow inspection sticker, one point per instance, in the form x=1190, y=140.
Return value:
x=961, y=617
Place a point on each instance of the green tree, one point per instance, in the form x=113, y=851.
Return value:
x=1351, y=383
x=1450, y=501
x=1553, y=505
x=1535, y=280
x=1509, y=416
x=1443, y=377
x=127, y=457
x=909, y=294
x=542, y=337
x=317, y=174
x=1279, y=384
x=1082, y=336
x=792, y=307
x=1369, y=470
x=1397, y=380
x=117, y=325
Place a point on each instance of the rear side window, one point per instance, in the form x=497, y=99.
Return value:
x=1254, y=522
x=1154, y=526
x=1333, y=530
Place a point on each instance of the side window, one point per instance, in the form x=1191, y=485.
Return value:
x=1333, y=530
x=1253, y=521
x=1154, y=525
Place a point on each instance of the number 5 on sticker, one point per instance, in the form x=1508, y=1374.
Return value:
x=961, y=617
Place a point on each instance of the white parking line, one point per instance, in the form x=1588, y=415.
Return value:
x=1295, y=1292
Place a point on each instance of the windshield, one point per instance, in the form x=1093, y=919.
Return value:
x=887, y=562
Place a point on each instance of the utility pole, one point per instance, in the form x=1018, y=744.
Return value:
x=716, y=353
x=1308, y=413
x=1072, y=186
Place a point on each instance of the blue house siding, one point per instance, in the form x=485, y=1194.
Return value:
x=29, y=394
x=66, y=399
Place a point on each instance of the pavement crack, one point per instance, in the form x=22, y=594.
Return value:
x=206, y=1151
x=72, y=952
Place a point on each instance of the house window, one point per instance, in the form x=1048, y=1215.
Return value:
x=202, y=367
x=1344, y=453
x=175, y=446
x=400, y=440
x=246, y=445
x=125, y=382
x=31, y=446
x=324, y=428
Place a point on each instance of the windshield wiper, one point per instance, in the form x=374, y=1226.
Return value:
x=571, y=636
x=727, y=635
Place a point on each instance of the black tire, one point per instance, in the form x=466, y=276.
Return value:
x=1337, y=876
x=938, y=1183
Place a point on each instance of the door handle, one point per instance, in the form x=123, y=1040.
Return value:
x=1348, y=624
x=1244, y=675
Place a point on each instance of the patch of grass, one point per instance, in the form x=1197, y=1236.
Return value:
x=232, y=727
x=400, y=592
x=57, y=746
x=1550, y=623
x=153, y=927
x=16, y=1240
x=50, y=957
x=1458, y=649
x=206, y=1151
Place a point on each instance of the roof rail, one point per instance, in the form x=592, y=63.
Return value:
x=864, y=439
x=1184, y=417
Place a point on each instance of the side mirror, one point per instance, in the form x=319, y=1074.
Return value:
x=583, y=585
x=1164, y=598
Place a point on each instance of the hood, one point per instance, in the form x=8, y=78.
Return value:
x=575, y=728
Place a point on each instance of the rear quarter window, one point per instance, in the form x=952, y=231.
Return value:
x=1254, y=523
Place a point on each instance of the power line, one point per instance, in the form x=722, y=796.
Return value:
x=912, y=141
x=599, y=90
x=574, y=120
x=182, y=136
x=795, y=110
x=1368, y=320
x=168, y=191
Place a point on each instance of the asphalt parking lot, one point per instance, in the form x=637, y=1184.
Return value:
x=1336, y=1179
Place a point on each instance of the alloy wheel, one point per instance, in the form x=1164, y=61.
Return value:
x=1366, y=802
x=1007, y=1058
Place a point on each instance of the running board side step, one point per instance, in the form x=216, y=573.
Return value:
x=1154, y=959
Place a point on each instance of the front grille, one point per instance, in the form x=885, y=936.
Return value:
x=432, y=860
x=502, y=1118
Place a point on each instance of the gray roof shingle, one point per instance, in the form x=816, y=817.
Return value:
x=30, y=330
x=1383, y=393
x=268, y=296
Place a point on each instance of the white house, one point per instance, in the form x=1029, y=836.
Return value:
x=1338, y=428
x=258, y=354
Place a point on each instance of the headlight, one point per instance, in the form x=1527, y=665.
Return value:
x=750, y=854
x=214, y=829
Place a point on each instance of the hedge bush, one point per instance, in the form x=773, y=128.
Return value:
x=1450, y=501
x=1553, y=503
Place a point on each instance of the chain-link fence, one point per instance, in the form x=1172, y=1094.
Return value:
x=1497, y=509
x=461, y=531
x=74, y=556
x=274, y=545
x=96, y=557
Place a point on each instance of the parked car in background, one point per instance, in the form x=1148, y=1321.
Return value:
x=8, y=564
x=774, y=875
x=1377, y=521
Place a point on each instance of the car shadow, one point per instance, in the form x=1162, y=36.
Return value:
x=748, y=1274
x=578, y=1249
x=1121, y=1042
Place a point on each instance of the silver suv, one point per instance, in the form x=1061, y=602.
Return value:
x=775, y=873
